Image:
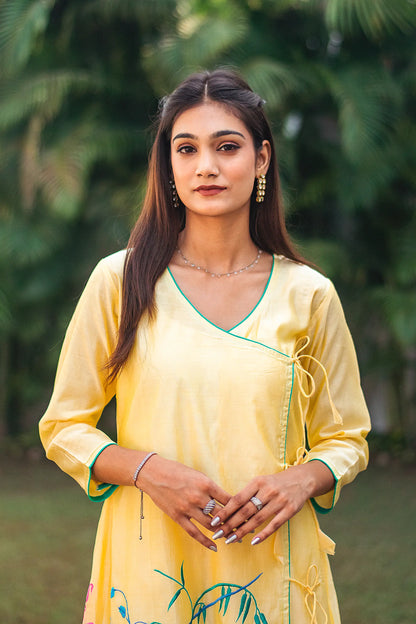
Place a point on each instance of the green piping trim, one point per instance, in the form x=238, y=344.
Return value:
x=317, y=507
x=288, y=408
x=227, y=331
x=110, y=486
x=290, y=572
x=289, y=589
x=259, y=301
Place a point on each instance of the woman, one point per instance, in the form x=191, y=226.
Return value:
x=239, y=408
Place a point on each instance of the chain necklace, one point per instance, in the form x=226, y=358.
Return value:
x=230, y=274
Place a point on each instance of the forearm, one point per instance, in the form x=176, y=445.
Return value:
x=116, y=464
x=316, y=477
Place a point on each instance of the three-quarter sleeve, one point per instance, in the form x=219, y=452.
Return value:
x=68, y=429
x=337, y=419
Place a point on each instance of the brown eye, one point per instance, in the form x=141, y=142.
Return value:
x=229, y=147
x=185, y=149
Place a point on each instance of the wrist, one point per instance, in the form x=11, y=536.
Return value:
x=318, y=478
x=139, y=468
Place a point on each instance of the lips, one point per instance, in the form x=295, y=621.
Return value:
x=209, y=190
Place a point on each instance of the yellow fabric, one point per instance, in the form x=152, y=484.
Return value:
x=231, y=404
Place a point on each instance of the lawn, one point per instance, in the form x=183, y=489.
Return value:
x=47, y=528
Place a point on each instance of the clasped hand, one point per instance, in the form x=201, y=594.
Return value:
x=182, y=493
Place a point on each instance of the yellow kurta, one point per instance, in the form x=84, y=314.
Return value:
x=232, y=404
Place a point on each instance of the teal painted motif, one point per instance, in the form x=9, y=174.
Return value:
x=198, y=609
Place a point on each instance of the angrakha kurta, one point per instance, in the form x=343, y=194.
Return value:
x=232, y=404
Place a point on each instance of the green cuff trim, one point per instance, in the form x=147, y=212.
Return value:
x=316, y=505
x=107, y=487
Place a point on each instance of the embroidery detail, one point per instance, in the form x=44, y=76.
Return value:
x=199, y=608
x=312, y=582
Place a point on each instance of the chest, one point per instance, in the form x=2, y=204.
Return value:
x=224, y=301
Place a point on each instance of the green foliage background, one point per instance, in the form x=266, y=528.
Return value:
x=79, y=85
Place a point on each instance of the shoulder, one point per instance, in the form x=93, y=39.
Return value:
x=303, y=283
x=113, y=264
x=109, y=271
x=104, y=286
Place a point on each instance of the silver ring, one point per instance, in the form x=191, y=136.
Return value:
x=209, y=507
x=256, y=502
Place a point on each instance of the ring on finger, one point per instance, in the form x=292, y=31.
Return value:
x=256, y=502
x=209, y=507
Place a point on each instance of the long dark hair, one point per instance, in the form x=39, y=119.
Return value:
x=154, y=237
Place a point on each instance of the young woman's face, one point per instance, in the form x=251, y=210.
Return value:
x=214, y=161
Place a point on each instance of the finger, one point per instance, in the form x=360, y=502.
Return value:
x=197, y=535
x=275, y=523
x=237, y=521
x=220, y=495
x=233, y=526
x=206, y=518
x=234, y=504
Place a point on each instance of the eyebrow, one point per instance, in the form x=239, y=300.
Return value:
x=215, y=135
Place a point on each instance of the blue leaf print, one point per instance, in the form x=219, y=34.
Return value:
x=123, y=611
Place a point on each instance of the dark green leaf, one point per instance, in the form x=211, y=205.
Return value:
x=246, y=610
x=242, y=603
x=227, y=600
x=175, y=597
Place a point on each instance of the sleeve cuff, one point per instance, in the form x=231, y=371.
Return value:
x=96, y=491
x=326, y=502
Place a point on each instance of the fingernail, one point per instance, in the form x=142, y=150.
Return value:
x=216, y=521
x=254, y=541
x=213, y=547
x=231, y=539
x=218, y=534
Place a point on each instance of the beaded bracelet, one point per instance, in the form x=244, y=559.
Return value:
x=136, y=474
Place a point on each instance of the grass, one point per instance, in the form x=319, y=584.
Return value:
x=47, y=528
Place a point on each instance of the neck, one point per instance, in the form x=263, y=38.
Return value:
x=220, y=245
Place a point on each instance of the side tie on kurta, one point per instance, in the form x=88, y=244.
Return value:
x=305, y=378
x=302, y=375
x=311, y=601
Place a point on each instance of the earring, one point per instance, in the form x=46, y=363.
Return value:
x=175, y=197
x=261, y=188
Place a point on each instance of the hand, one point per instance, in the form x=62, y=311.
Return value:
x=282, y=496
x=182, y=493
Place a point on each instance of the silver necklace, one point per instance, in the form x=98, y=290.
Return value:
x=230, y=274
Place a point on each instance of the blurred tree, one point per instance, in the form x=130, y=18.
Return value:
x=78, y=84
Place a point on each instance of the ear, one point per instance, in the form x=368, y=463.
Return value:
x=263, y=158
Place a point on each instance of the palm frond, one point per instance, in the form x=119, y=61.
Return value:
x=271, y=79
x=201, y=42
x=43, y=93
x=375, y=18
x=24, y=243
x=369, y=106
x=65, y=166
x=142, y=10
x=21, y=23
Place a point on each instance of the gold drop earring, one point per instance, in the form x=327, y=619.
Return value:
x=175, y=197
x=261, y=188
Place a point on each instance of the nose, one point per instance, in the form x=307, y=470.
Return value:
x=207, y=164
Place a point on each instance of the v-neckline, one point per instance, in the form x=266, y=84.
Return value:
x=227, y=331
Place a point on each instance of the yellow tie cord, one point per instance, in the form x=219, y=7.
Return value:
x=311, y=601
x=303, y=376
